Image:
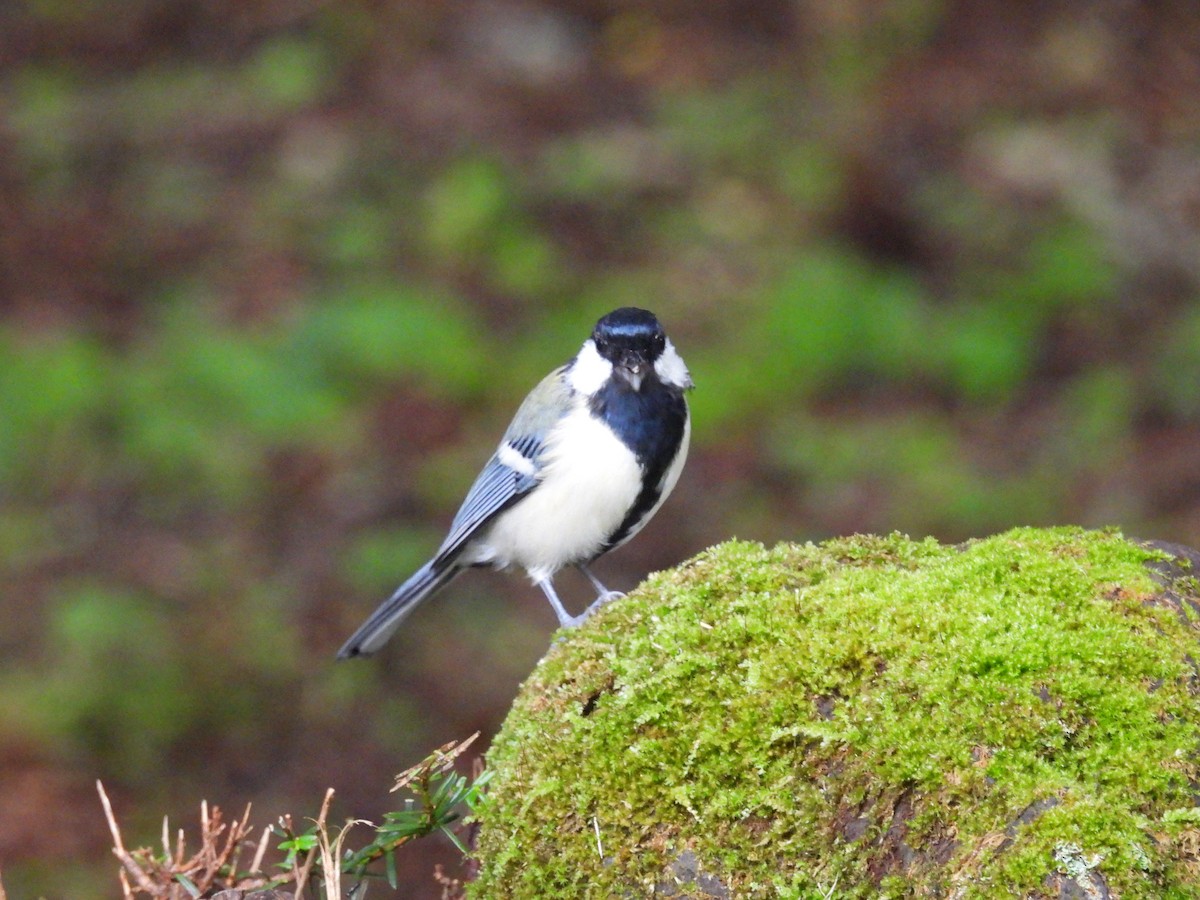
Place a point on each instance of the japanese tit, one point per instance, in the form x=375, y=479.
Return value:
x=591, y=455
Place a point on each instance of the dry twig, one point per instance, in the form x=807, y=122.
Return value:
x=214, y=864
x=440, y=760
x=303, y=873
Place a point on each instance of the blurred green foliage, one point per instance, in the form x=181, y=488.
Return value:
x=271, y=284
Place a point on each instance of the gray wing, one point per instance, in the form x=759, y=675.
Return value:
x=501, y=483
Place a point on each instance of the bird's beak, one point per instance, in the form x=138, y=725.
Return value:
x=632, y=369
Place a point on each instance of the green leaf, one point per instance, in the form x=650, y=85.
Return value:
x=390, y=863
x=301, y=843
x=454, y=838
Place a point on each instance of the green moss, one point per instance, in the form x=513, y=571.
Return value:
x=872, y=716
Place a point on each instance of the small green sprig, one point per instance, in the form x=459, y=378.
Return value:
x=439, y=795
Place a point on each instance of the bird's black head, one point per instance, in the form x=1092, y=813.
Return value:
x=632, y=340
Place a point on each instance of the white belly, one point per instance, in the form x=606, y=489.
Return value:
x=590, y=480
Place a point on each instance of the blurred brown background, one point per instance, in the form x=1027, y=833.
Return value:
x=274, y=276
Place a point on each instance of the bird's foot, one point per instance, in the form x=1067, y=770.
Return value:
x=605, y=597
x=566, y=621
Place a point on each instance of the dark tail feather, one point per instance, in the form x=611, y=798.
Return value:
x=374, y=632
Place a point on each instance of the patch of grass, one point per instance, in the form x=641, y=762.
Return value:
x=288, y=855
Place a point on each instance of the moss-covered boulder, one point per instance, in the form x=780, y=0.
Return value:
x=868, y=717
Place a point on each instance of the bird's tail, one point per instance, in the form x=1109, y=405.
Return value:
x=381, y=624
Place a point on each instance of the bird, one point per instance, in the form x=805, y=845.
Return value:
x=590, y=456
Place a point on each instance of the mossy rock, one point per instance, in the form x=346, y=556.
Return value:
x=868, y=717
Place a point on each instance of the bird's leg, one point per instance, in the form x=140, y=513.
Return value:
x=603, y=594
x=565, y=620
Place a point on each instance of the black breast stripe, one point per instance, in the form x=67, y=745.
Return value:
x=650, y=422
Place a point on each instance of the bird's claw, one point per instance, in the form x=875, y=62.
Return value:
x=576, y=621
x=600, y=601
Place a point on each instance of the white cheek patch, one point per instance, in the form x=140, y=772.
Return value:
x=671, y=369
x=589, y=371
x=515, y=460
